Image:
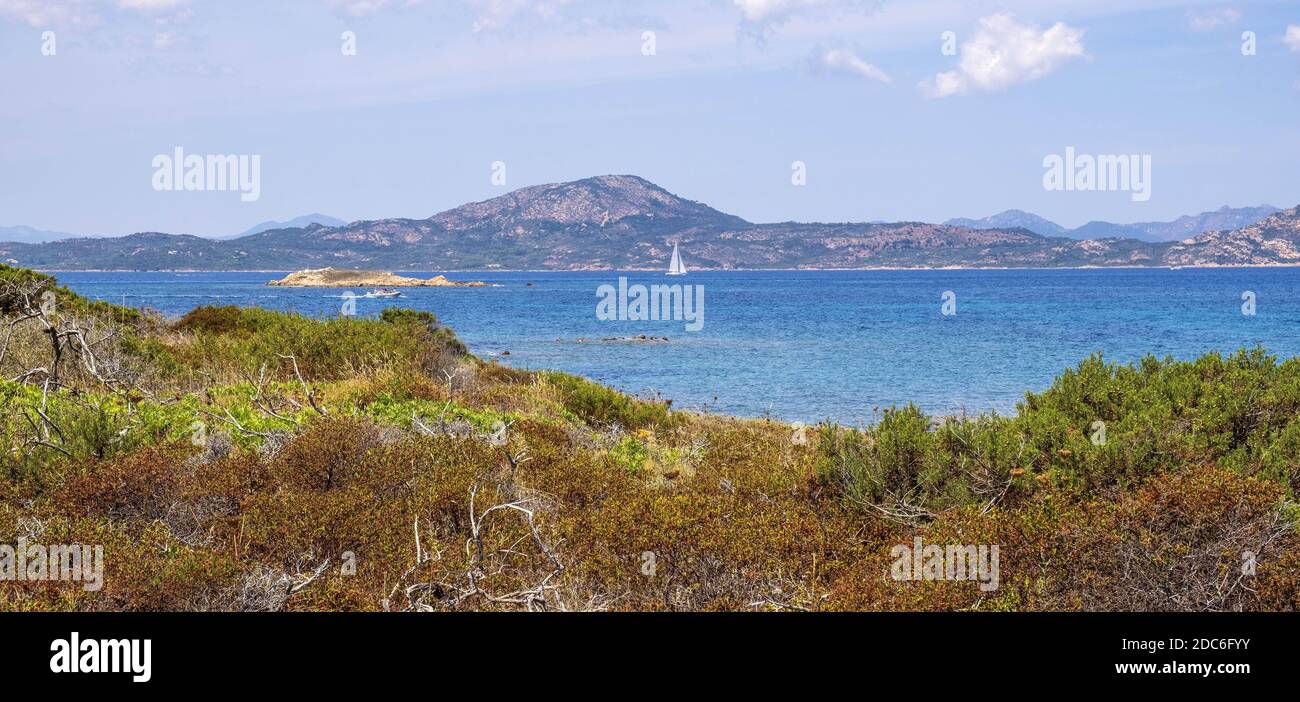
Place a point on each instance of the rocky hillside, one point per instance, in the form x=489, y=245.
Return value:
x=1273, y=240
x=1189, y=226
x=627, y=222
x=601, y=202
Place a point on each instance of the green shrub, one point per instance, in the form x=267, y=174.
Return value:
x=903, y=459
x=428, y=321
x=241, y=340
x=630, y=454
x=601, y=406
x=66, y=301
x=213, y=320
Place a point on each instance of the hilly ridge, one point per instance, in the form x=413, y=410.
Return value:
x=1184, y=227
x=302, y=221
x=627, y=222
x=1012, y=218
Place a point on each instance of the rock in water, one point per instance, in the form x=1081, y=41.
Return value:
x=348, y=278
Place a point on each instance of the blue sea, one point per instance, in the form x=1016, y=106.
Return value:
x=811, y=345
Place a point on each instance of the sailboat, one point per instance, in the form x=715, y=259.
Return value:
x=676, y=267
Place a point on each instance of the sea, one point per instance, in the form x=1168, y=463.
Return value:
x=805, y=346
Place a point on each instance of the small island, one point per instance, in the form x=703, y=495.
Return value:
x=351, y=278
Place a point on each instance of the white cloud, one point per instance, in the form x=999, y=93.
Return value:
x=494, y=14
x=53, y=13
x=357, y=8
x=766, y=12
x=152, y=5
x=849, y=62
x=760, y=10
x=365, y=8
x=1003, y=52
x=1292, y=38
x=49, y=13
x=1205, y=20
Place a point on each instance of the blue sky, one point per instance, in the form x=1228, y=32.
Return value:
x=889, y=126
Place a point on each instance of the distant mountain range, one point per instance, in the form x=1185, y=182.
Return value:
x=1012, y=219
x=30, y=235
x=296, y=222
x=1184, y=227
x=627, y=222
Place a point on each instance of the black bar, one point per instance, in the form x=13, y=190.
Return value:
x=940, y=652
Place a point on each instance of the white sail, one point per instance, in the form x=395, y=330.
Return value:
x=676, y=267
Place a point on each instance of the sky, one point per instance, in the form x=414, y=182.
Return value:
x=897, y=110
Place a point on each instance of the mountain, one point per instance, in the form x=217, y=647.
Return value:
x=1108, y=230
x=1189, y=226
x=1272, y=240
x=28, y=235
x=1046, y=227
x=313, y=218
x=1184, y=227
x=144, y=251
x=1010, y=219
x=626, y=222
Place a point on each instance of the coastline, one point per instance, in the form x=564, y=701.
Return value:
x=697, y=269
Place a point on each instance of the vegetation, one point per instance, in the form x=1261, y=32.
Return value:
x=240, y=459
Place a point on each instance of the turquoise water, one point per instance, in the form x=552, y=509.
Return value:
x=812, y=345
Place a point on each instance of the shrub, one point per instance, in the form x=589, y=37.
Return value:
x=601, y=406
x=213, y=320
x=630, y=455
x=66, y=302
x=137, y=487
